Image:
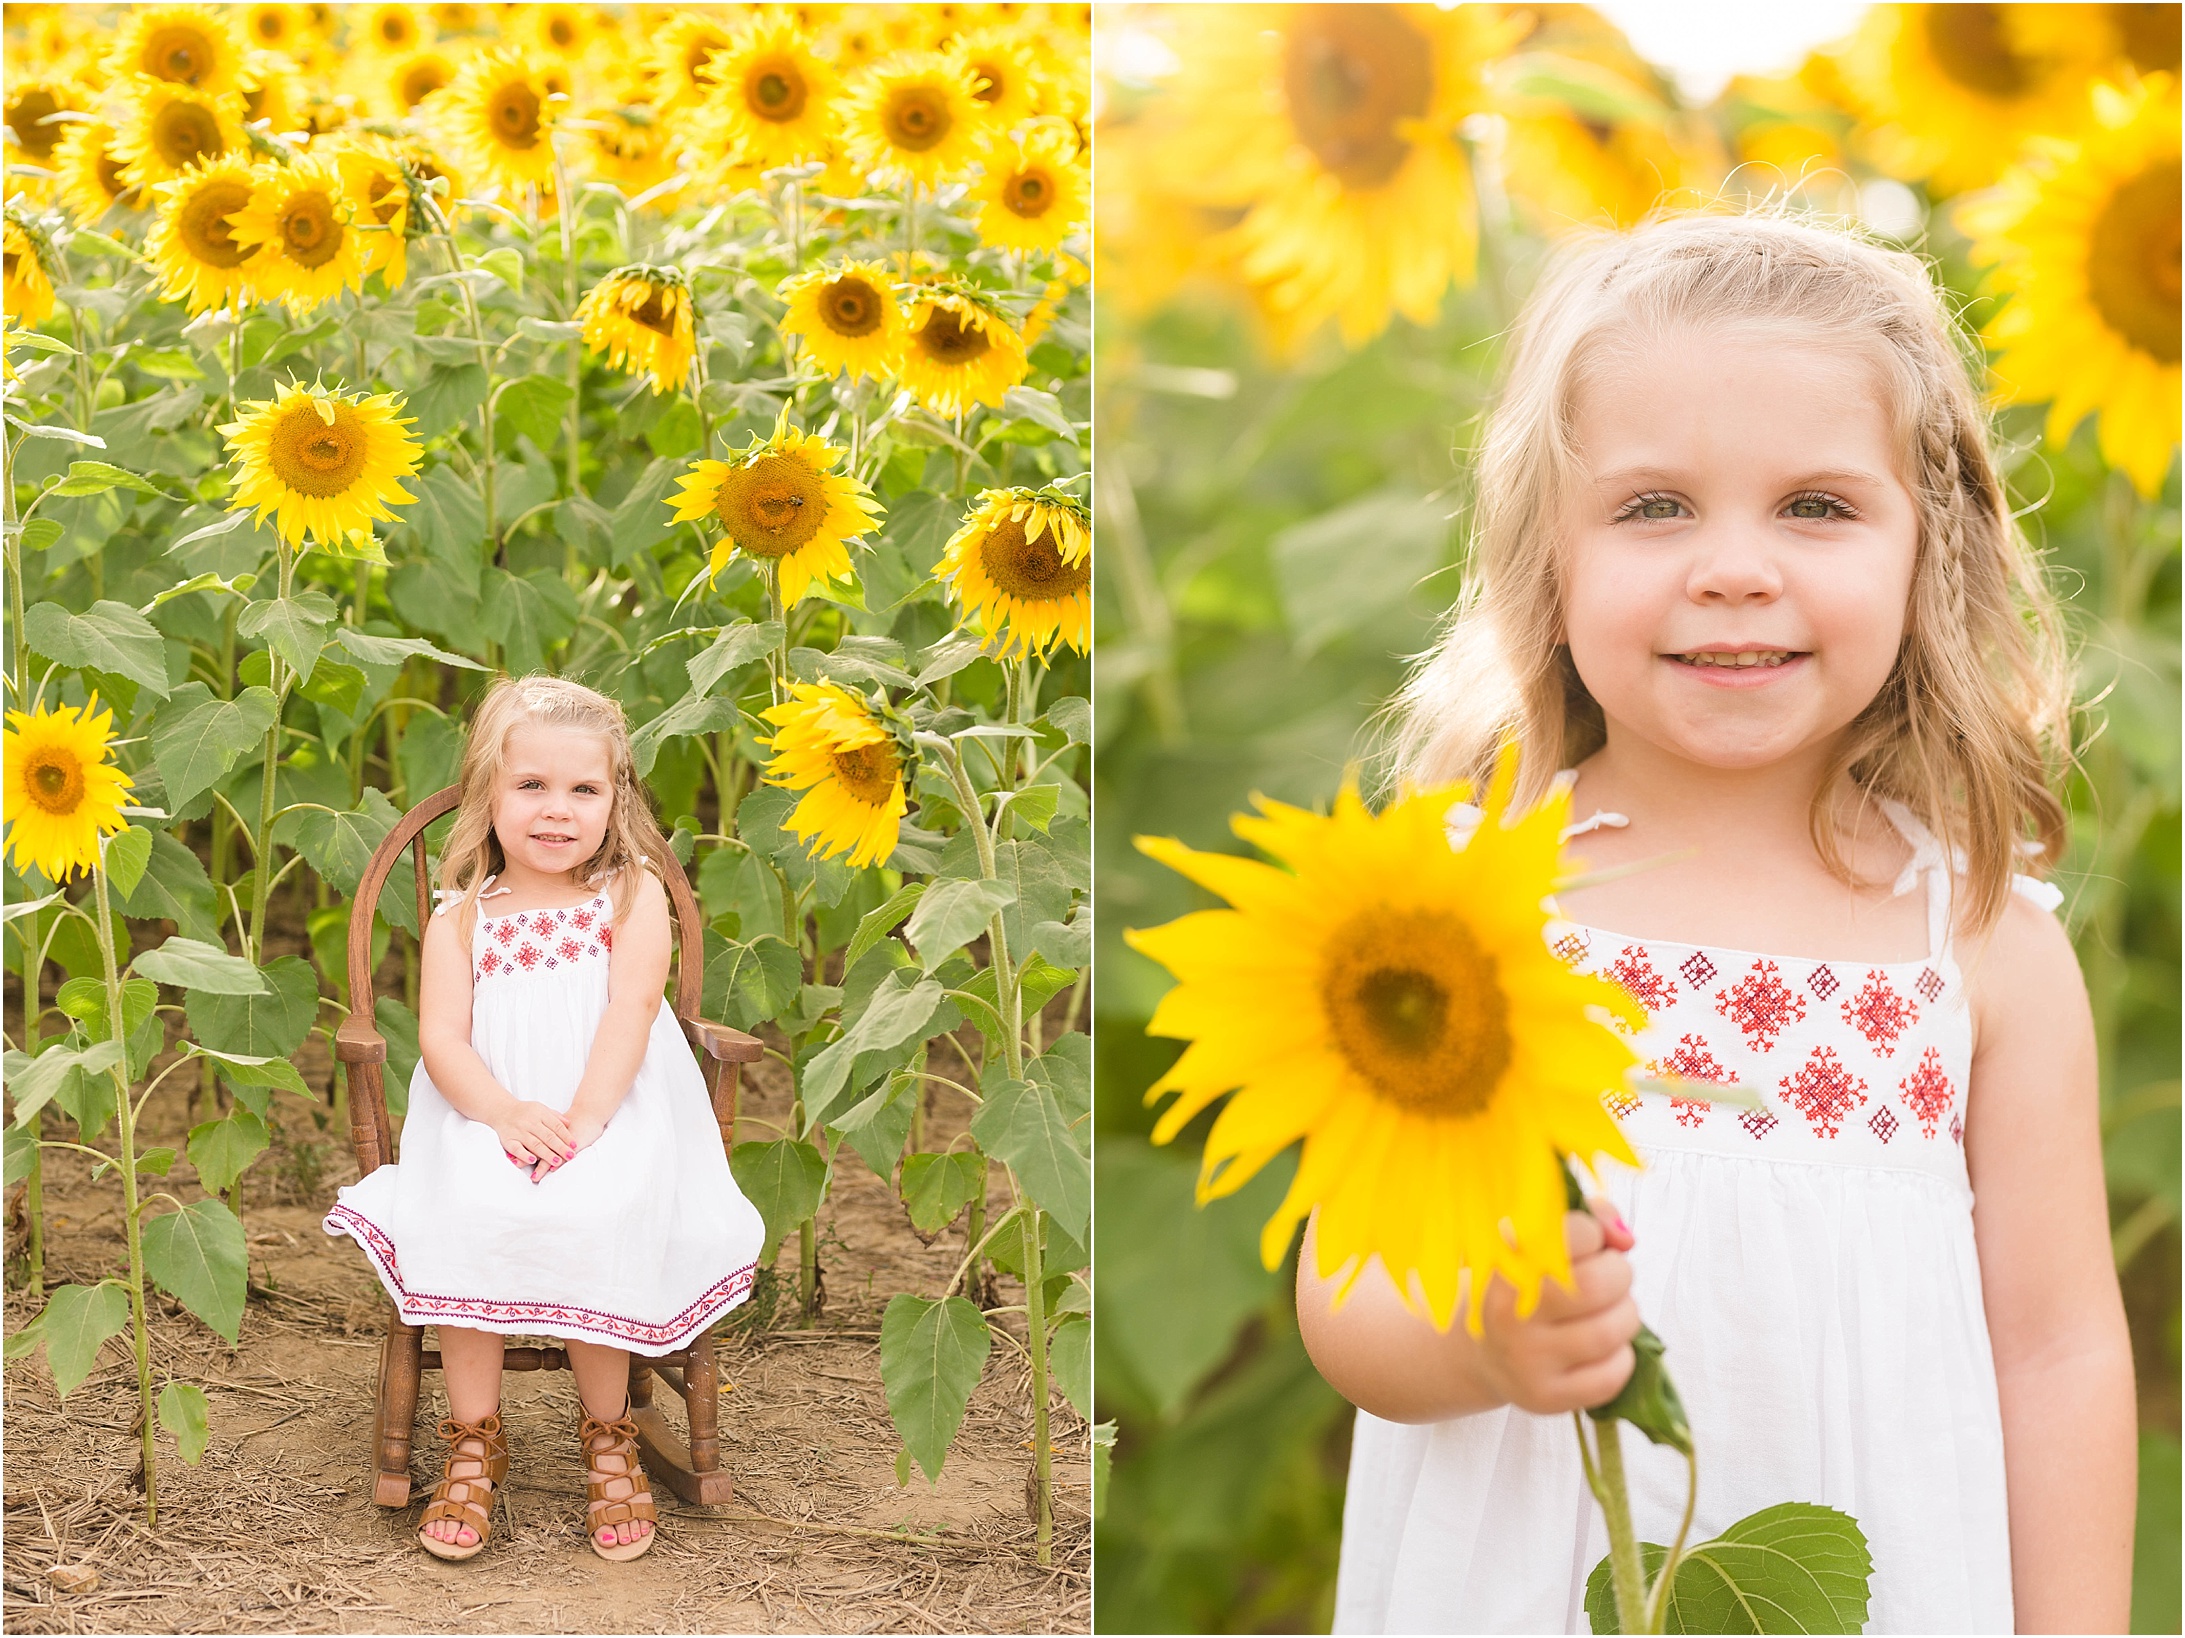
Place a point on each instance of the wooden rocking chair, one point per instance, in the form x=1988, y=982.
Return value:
x=691, y=1468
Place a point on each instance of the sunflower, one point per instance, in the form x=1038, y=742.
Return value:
x=393, y=29
x=91, y=182
x=399, y=84
x=848, y=317
x=276, y=28
x=959, y=351
x=780, y=501
x=830, y=745
x=641, y=318
x=1432, y=1053
x=298, y=223
x=272, y=91
x=62, y=793
x=326, y=465
x=999, y=64
x=629, y=147
x=184, y=45
x=1022, y=564
x=773, y=95
x=2084, y=241
x=29, y=103
x=682, y=59
x=1036, y=191
x=914, y=117
x=371, y=177
x=496, y=117
x=191, y=242
x=29, y=285
x=163, y=129
x=1946, y=93
x=1334, y=130
x=567, y=32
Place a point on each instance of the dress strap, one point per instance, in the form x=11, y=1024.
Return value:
x=448, y=895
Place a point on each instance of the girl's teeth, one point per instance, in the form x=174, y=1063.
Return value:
x=1766, y=657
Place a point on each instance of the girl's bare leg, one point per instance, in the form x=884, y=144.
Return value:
x=603, y=1383
x=470, y=1361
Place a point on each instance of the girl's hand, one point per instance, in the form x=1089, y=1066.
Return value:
x=531, y=1133
x=584, y=1129
x=1574, y=1350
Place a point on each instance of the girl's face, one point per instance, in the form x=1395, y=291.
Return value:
x=555, y=799
x=1740, y=545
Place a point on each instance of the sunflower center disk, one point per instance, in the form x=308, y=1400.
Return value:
x=2132, y=261
x=1416, y=1008
x=56, y=783
x=868, y=773
x=1969, y=46
x=851, y=307
x=562, y=32
x=315, y=459
x=916, y=119
x=947, y=339
x=655, y=314
x=203, y=224
x=515, y=116
x=35, y=139
x=1352, y=75
x=182, y=132
x=775, y=91
x=1029, y=193
x=309, y=231
x=1033, y=571
x=110, y=175
x=177, y=54
x=772, y=506
x=420, y=82
x=987, y=82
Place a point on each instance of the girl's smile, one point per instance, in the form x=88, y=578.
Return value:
x=555, y=800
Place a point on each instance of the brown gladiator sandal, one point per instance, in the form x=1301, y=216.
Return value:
x=619, y=1441
x=459, y=1498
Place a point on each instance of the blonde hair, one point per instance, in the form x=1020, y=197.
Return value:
x=473, y=852
x=1968, y=728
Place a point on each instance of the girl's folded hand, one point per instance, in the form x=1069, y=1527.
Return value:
x=1574, y=1350
x=583, y=1130
x=531, y=1134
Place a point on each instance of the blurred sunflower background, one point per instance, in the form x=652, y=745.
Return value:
x=1315, y=225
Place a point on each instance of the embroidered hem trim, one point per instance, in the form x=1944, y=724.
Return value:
x=549, y=1318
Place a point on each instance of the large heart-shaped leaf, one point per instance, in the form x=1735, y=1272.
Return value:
x=35, y=1082
x=183, y=1413
x=937, y=1187
x=108, y=636
x=1022, y=1123
x=931, y=1355
x=269, y=1024
x=732, y=650
x=952, y=914
x=1796, y=1567
x=196, y=737
x=295, y=627
x=196, y=1256
x=784, y=1180
x=221, y=1149
x=75, y=1321
x=202, y=969
x=895, y=1017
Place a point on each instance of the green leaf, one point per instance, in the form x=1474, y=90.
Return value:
x=1069, y=1361
x=251, y=1077
x=527, y=614
x=399, y=1026
x=293, y=627
x=1034, y=806
x=196, y=1256
x=75, y=1321
x=174, y=888
x=1338, y=571
x=766, y=974
x=931, y=1355
x=449, y=395
x=505, y=264
x=268, y=1023
x=394, y=650
x=896, y=1016
x=155, y=1162
x=734, y=649
x=1648, y=1399
x=937, y=1187
x=220, y=1149
x=535, y=406
x=128, y=851
x=182, y=1412
x=1042, y=409
x=335, y=685
x=692, y=714
x=197, y=737
x=1073, y=716
x=876, y=925
x=1023, y=1124
x=109, y=636
x=784, y=1180
x=642, y=521
x=879, y=1125
x=340, y=845
x=39, y=533
x=202, y=968
x=96, y=477
x=1796, y=1567
x=84, y=999
x=22, y=1155
x=36, y=1081
x=953, y=913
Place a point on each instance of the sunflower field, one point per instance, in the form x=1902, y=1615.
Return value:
x=1316, y=224
x=733, y=360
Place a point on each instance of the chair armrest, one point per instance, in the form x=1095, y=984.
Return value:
x=357, y=1042
x=729, y=1046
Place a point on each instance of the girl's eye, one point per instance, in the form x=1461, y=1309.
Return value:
x=1649, y=509
x=1815, y=507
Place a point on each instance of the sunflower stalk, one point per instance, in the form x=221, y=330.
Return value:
x=567, y=217
x=1627, y=1573
x=1035, y=1336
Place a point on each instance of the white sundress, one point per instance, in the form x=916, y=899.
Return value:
x=640, y=1242
x=1811, y=1270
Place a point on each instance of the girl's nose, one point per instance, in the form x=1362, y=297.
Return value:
x=1733, y=565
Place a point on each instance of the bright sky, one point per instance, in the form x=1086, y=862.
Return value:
x=1703, y=42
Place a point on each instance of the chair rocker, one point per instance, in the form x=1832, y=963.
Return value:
x=691, y=1468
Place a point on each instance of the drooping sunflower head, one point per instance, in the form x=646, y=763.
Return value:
x=838, y=750
x=913, y=117
x=192, y=242
x=959, y=351
x=29, y=284
x=327, y=465
x=780, y=502
x=1392, y=1002
x=62, y=793
x=30, y=103
x=641, y=318
x=183, y=45
x=1036, y=191
x=91, y=182
x=497, y=117
x=299, y=224
x=682, y=59
x=848, y=318
x=162, y=129
x=774, y=95
x=1021, y=566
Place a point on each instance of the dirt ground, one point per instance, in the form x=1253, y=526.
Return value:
x=276, y=1531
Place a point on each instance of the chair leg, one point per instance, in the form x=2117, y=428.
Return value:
x=401, y=1365
x=702, y=1404
x=640, y=1382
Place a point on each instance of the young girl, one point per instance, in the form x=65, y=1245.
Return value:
x=561, y=1171
x=1744, y=560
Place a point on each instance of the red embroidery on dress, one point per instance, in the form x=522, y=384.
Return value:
x=1620, y=1104
x=1758, y=1122
x=504, y=930
x=569, y=949
x=1761, y=1005
x=581, y=920
x=1884, y=1124
x=1697, y=969
x=490, y=962
x=606, y=937
x=1572, y=947
x=1928, y=1093
x=1635, y=973
x=1929, y=983
x=1957, y=1130
x=1824, y=1091
x=527, y=956
x=1694, y=1062
x=1879, y=1013
x=1823, y=983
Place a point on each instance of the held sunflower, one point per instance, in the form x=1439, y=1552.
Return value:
x=1390, y=1001
x=830, y=745
x=192, y=245
x=958, y=351
x=1022, y=566
x=2084, y=241
x=182, y=45
x=1035, y=194
x=640, y=317
x=298, y=223
x=848, y=318
x=29, y=287
x=326, y=465
x=497, y=118
x=774, y=95
x=913, y=118
x=162, y=130
x=780, y=501
x=62, y=792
